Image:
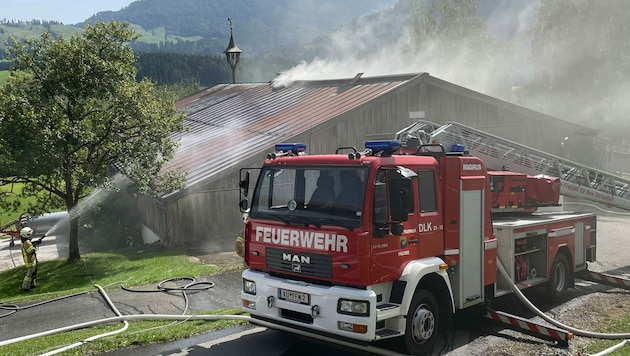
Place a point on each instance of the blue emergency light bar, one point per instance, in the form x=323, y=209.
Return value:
x=389, y=146
x=457, y=148
x=291, y=147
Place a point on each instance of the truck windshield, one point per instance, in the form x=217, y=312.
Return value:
x=311, y=195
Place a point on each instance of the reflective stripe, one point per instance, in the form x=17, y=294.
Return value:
x=28, y=254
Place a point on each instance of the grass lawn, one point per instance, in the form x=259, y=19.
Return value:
x=109, y=269
x=4, y=75
x=8, y=216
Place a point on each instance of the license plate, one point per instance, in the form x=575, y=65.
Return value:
x=293, y=296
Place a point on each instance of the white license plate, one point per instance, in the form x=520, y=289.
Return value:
x=293, y=296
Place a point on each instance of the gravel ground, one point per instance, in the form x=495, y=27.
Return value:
x=590, y=307
x=593, y=313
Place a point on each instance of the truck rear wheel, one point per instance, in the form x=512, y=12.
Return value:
x=422, y=324
x=559, y=279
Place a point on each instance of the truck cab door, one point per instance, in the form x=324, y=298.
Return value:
x=393, y=222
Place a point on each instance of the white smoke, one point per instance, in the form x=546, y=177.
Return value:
x=356, y=49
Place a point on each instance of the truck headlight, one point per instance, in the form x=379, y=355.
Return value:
x=353, y=307
x=249, y=287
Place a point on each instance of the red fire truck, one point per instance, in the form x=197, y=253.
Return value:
x=392, y=241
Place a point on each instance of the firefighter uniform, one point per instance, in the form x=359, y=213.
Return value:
x=239, y=244
x=30, y=259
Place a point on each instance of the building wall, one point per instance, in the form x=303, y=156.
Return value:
x=209, y=217
x=206, y=218
x=501, y=119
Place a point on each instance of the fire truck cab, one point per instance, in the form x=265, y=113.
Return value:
x=387, y=243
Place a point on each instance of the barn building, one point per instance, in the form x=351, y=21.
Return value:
x=234, y=126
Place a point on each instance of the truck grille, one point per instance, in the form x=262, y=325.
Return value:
x=305, y=263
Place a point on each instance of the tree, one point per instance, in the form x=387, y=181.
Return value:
x=72, y=113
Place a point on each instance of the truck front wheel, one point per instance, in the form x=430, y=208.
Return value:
x=421, y=324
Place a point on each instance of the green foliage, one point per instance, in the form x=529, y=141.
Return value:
x=15, y=200
x=201, y=27
x=189, y=38
x=257, y=24
x=73, y=110
x=24, y=30
x=4, y=76
x=182, y=69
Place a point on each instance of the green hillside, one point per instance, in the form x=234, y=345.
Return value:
x=23, y=30
x=201, y=26
x=183, y=42
x=4, y=74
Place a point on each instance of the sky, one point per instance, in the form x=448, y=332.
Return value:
x=66, y=11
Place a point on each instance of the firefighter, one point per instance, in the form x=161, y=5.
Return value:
x=30, y=258
x=239, y=244
x=19, y=225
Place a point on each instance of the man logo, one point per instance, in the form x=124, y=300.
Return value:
x=296, y=268
x=296, y=258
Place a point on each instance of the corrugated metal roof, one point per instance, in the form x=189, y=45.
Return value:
x=250, y=117
x=229, y=122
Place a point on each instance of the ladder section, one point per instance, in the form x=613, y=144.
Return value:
x=577, y=180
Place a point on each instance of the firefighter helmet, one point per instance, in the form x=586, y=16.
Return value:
x=26, y=232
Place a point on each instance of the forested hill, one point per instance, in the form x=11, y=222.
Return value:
x=201, y=26
x=184, y=40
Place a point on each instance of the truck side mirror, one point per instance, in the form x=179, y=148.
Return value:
x=244, y=184
x=243, y=204
x=380, y=213
x=397, y=229
x=399, y=196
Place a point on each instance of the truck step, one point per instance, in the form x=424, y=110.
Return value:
x=386, y=333
x=387, y=311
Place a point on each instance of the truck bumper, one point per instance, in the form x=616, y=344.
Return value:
x=309, y=306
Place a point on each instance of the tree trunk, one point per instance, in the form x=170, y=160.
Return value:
x=73, y=247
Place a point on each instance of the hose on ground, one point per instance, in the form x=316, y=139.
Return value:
x=167, y=285
x=96, y=337
x=12, y=308
x=540, y=313
x=123, y=318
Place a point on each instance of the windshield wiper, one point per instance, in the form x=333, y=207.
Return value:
x=303, y=219
x=334, y=222
x=274, y=217
x=308, y=220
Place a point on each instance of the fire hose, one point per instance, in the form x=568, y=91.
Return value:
x=135, y=317
x=162, y=287
x=541, y=314
x=183, y=317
